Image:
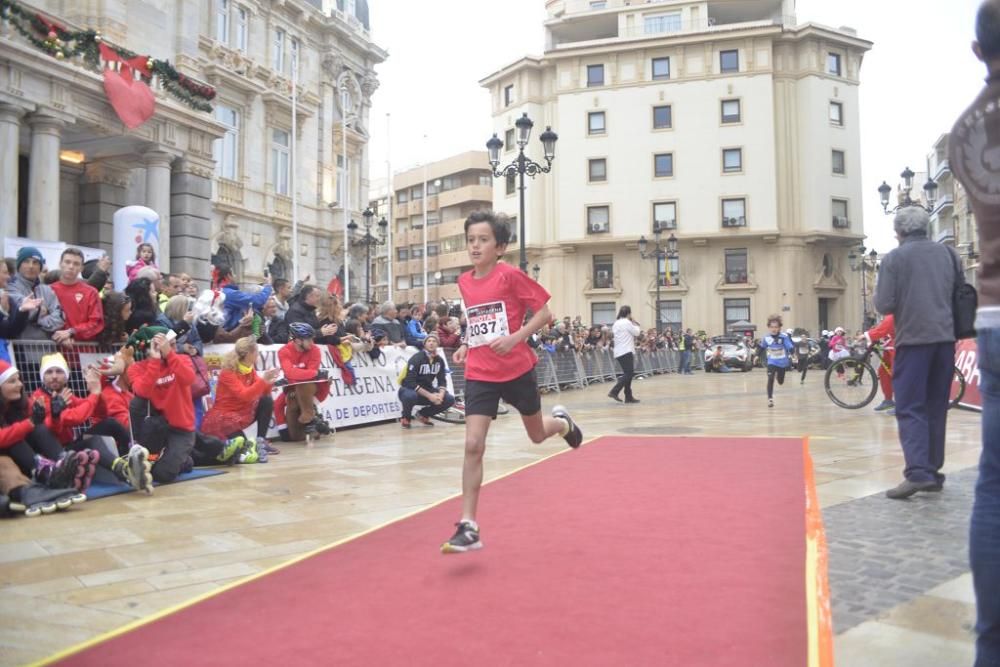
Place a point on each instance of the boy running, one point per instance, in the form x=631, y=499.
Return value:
x=777, y=346
x=498, y=362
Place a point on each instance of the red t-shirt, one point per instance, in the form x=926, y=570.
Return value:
x=81, y=305
x=495, y=306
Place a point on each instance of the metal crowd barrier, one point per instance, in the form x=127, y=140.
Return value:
x=27, y=355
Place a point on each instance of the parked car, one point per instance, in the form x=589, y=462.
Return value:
x=735, y=353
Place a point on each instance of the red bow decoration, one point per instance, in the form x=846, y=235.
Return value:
x=132, y=100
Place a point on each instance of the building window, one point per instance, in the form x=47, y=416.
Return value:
x=598, y=219
x=595, y=122
x=602, y=312
x=242, y=29
x=278, y=59
x=598, y=4
x=668, y=271
x=735, y=310
x=402, y=196
x=508, y=140
x=603, y=270
x=833, y=64
x=597, y=170
x=484, y=179
x=595, y=76
x=840, y=220
x=670, y=314
x=279, y=161
x=222, y=21
x=227, y=148
x=732, y=160
x=402, y=282
x=837, y=113
x=661, y=68
x=417, y=280
x=293, y=65
x=662, y=117
x=734, y=212
x=508, y=95
x=433, y=249
x=416, y=252
x=510, y=185
x=663, y=165
x=736, y=265
x=402, y=254
x=731, y=112
x=664, y=215
x=662, y=23
x=417, y=192
x=838, y=162
x=729, y=61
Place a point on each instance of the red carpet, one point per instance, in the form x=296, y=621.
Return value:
x=630, y=551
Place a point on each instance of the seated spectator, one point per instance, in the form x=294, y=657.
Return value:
x=80, y=303
x=237, y=301
x=116, y=393
x=48, y=317
x=13, y=318
x=717, y=363
x=387, y=322
x=424, y=383
x=300, y=362
x=242, y=397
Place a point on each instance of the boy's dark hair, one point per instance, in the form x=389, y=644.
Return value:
x=72, y=251
x=988, y=29
x=279, y=283
x=499, y=223
x=773, y=318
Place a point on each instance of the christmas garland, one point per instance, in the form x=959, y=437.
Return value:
x=61, y=44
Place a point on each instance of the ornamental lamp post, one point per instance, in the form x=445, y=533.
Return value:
x=369, y=241
x=522, y=165
x=905, y=200
x=659, y=253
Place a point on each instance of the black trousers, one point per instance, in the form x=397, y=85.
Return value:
x=773, y=371
x=627, y=362
x=40, y=441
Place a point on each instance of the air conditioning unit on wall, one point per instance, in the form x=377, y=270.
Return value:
x=841, y=222
x=598, y=228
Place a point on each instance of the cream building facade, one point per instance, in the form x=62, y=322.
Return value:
x=725, y=122
x=952, y=220
x=222, y=181
x=456, y=186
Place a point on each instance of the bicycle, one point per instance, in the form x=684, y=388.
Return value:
x=852, y=382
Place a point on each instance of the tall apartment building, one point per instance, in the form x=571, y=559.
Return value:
x=952, y=220
x=222, y=181
x=456, y=186
x=724, y=122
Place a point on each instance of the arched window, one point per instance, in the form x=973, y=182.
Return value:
x=228, y=257
x=280, y=268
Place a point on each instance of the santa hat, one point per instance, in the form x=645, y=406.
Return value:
x=141, y=340
x=54, y=360
x=6, y=371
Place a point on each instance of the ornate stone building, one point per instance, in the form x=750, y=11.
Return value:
x=223, y=181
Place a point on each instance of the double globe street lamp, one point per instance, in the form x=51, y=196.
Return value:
x=523, y=165
x=369, y=241
x=930, y=193
x=859, y=261
x=661, y=253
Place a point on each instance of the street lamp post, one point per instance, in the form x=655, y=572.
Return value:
x=522, y=165
x=368, y=241
x=930, y=191
x=863, y=263
x=659, y=253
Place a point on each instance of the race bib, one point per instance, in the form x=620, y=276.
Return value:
x=487, y=322
x=775, y=353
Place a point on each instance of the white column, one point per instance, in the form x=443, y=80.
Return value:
x=10, y=131
x=158, y=199
x=43, y=178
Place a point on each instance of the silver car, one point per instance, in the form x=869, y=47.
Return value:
x=735, y=353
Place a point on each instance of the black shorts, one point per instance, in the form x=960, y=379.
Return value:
x=481, y=397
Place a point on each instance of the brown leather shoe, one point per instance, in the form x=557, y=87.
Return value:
x=908, y=488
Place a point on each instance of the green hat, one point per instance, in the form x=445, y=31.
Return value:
x=141, y=340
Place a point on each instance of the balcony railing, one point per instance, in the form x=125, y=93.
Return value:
x=230, y=192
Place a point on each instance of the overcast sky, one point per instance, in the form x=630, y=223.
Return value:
x=919, y=75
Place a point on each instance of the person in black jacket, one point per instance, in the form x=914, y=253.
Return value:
x=303, y=309
x=425, y=384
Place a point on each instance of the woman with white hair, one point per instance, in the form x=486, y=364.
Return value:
x=916, y=282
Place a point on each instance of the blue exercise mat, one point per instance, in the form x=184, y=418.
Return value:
x=104, y=489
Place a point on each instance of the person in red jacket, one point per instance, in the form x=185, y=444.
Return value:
x=161, y=379
x=116, y=394
x=242, y=397
x=884, y=331
x=300, y=362
x=81, y=304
